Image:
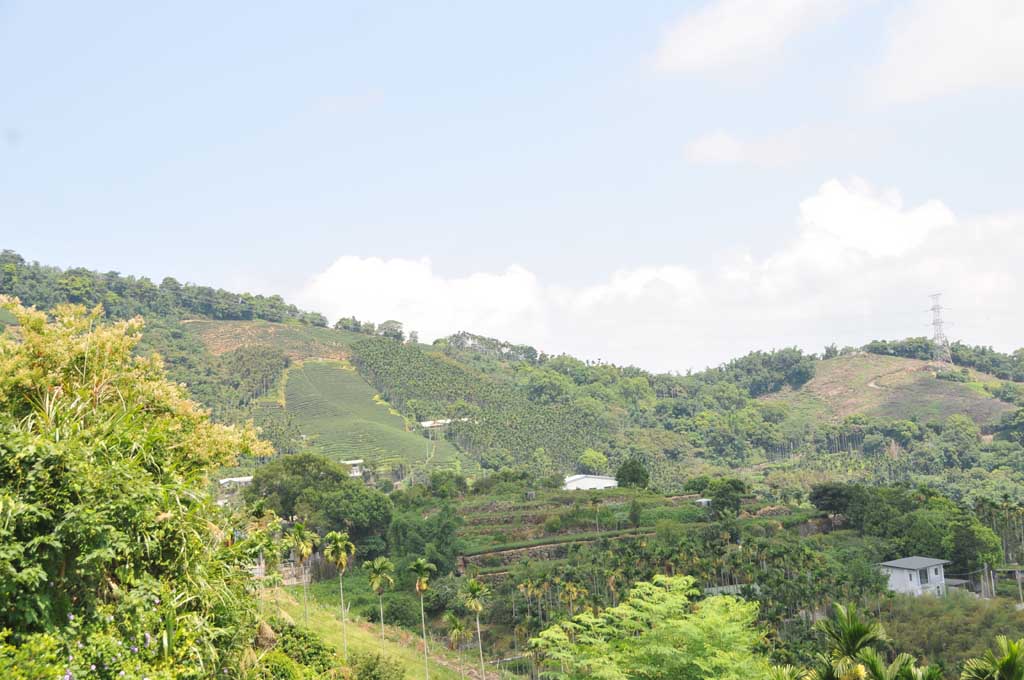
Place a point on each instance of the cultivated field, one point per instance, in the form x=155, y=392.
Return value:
x=344, y=418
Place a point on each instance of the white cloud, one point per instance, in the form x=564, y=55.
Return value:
x=860, y=267
x=939, y=47
x=728, y=33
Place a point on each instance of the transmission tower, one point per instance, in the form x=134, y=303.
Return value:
x=939, y=339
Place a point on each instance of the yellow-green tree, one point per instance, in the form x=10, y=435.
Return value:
x=107, y=529
x=657, y=632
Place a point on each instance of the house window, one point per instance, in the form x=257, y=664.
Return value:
x=910, y=575
x=936, y=571
x=924, y=576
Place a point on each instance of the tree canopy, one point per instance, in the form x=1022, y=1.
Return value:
x=107, y=534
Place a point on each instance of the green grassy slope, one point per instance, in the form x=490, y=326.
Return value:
x=889, y=387
x=334, y=408
x=364, y=637
x=344, y=419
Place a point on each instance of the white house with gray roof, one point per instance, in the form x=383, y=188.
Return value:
x=589, y=482
x=916, y=575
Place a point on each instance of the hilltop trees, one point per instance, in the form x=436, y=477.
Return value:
x=123, y=297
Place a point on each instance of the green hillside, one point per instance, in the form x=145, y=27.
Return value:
x=363, y=636
x=343, y=418
x=890, y=387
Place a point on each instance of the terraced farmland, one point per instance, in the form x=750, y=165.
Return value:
x=335, y=408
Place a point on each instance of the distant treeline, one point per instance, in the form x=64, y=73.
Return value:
x=124, y=297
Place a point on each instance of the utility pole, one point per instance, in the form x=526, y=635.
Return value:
x=941, y=350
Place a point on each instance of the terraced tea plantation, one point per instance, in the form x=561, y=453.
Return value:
x=338, y=412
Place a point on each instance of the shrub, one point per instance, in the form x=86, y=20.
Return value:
x=402, y=611
x=303, y=646
x=376, y=667
x=276, y=665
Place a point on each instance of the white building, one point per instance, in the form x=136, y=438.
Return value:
x=234, y=482
x=916, y=575
x=588, y=482
x=355, y=467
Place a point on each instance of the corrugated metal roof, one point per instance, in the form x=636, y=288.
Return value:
x=575, y=478
x=915, y=562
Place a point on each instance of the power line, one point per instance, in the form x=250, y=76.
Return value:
x=939, y=340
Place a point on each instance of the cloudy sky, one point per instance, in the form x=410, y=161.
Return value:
x=667, y=184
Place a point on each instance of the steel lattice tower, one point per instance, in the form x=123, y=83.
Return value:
x=939, y=339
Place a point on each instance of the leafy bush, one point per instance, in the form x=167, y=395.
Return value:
x=400, y=610
x=961, y=376
x=276, y=665
x=303, y=646
x=376, y=667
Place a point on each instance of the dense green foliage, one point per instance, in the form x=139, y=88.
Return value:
x=123, y=297
x=913, y=522
x=110, y=549
x=491, y=417
x=657, y=632
x=320, y=491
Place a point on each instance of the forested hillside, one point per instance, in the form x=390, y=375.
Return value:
x=815, y=467
x=881, y=413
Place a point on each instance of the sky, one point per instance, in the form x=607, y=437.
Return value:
x=665, y=184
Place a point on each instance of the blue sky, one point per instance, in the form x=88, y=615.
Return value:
x=661, y=183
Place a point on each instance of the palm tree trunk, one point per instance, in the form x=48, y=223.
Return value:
x=305, y=597
x=381, y=599
x=423, y=621
x=480, y=646
x=344, y=622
